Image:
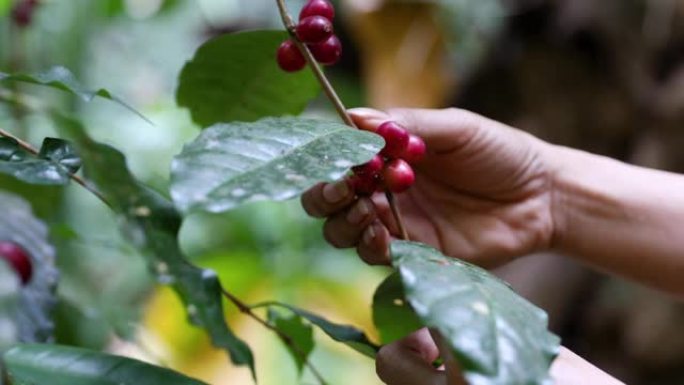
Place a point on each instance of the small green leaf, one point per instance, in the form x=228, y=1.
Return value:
x=235, y=77
x=60, y=151
x=392, y=314
x=21, y=164
x=152, y=224
x=498, y=337
x=62, y=365
x=62, y=79
x=348, y=335
x=33, y=319
x=272, y=159
x=299, y=333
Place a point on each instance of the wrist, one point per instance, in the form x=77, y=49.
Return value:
x=580, y=200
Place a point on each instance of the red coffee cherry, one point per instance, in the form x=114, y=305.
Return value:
x=329, y=52
x=372, y=168
x=398, y=176
x=314, y=29
x=396, y=139
x=290, y=59
x=318, y=8
x=415, y=150
x=22, y=13
x=18, y=258
x=364, y=185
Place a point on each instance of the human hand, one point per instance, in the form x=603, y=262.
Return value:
x=483, y=192
x=409, y=362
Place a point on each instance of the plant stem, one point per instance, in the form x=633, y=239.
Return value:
x=330, y=92
x=287, y=340
x=313, y=64
x=29, y=148
x=397, y=215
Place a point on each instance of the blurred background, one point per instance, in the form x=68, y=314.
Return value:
x=606, y=76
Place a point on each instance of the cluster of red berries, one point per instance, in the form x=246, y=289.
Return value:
x=22, y=12
x=391, y=169
x=315, y=29
x=18, y=258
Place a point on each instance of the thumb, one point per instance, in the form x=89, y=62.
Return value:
x=442, y=130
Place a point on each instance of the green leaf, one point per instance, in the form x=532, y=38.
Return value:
x=10, y=287
x=392, y=315
x=62, y=365
x=151, y=223
x=62, y=79
x=498, y=337
x=21, y=164
x=235, y=77
x=348, y=335
x=37, y=297
x=60, y=151
x=5, y=6
x=300, y=334
x=272, y=159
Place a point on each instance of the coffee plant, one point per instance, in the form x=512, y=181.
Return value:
x=252, y=147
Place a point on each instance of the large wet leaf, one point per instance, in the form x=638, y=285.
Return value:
x=151, y=223
x=61, y=365
x=235, y=77
x=61, y=152
x=348, y=335
x=392, y=315
x=300, y=342
x=62, y=79
x=52, y=166
x=33, y=318
x=272, y=159
x=498, y=337
x=10, y=287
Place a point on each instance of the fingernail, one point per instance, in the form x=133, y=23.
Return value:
x=364, y=112
x=359, y=212
x=335, y=192
x=369, y=235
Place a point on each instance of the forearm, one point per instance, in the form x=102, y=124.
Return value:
x=571, y=369
x=623, y=219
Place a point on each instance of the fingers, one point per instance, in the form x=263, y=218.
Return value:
x=345, y=228
x=351, y=223
x=374, y=245
x=409, y=361
x=442, y=130
x=326, y=199
x=452, y=370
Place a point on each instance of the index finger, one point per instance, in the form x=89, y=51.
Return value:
x=325, y=199
x=442, y=130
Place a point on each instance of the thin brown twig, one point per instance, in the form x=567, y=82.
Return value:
x=397, y=215
x=332, y=95
x=313, y=64
x=287, y=340
x=29, y=148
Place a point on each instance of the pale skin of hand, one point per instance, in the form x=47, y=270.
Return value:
x=488, y=193
x=476, y=196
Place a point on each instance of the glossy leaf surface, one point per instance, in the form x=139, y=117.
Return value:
x=498, y=337
x=62, y=365
x=271, y=159
x=392, y=315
